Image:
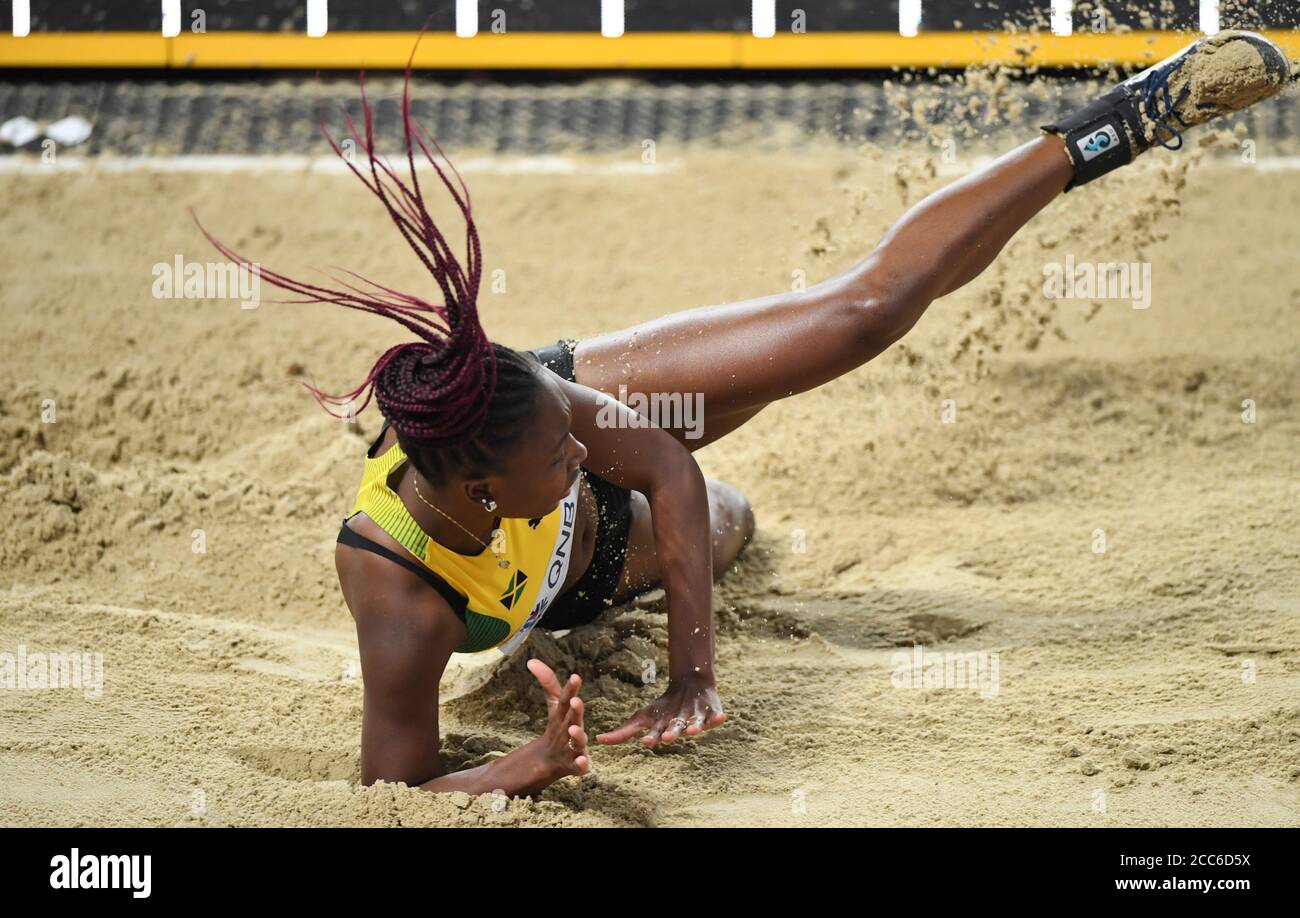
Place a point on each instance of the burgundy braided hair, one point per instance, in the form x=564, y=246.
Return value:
x=456, y=400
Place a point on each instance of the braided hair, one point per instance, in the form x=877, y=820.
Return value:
x=458, y=402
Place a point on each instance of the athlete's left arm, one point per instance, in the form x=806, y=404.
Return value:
x=652, y=461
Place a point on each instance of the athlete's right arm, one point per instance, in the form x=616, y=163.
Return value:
x=406, y=634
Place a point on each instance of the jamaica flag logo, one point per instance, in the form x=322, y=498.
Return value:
x=514, y=589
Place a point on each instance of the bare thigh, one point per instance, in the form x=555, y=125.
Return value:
x=732, y=359
x=738, y=357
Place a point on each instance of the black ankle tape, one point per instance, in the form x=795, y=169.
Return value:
x=1097, y=138
x=1097, y=149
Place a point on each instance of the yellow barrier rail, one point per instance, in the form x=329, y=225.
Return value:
x=582, y=50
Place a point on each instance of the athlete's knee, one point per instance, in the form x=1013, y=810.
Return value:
x=889, y=315
x=879, y=309
x=731, y=519
x=746, y=521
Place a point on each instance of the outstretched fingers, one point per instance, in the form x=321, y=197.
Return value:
x=699, y=717
x=577, y=736
x=557, y=695
x=567, y=733
x=634, y=725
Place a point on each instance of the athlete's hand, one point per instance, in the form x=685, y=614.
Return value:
x=562, y=748
x=689, y=706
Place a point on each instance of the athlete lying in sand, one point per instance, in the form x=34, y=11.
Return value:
x=498, y=497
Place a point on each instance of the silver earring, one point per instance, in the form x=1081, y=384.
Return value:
x=490, y=504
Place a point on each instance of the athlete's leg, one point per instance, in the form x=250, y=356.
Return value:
x=716, y=427
x=747, y=354
x=743, y=355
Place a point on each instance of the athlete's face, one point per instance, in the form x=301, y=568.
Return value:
x=545, y=466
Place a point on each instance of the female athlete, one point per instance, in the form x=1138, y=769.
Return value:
x=509, y=490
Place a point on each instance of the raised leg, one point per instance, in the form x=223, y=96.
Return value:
x=741, y=356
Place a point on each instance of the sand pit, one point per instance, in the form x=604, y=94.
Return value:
x=953, y=494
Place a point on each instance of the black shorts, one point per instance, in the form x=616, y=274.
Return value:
x=593, y=593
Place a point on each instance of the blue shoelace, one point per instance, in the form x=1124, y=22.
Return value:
x=1157, y=91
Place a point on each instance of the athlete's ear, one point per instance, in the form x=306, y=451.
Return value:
x=480, y=491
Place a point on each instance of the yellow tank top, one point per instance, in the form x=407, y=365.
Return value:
x=501, y=604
